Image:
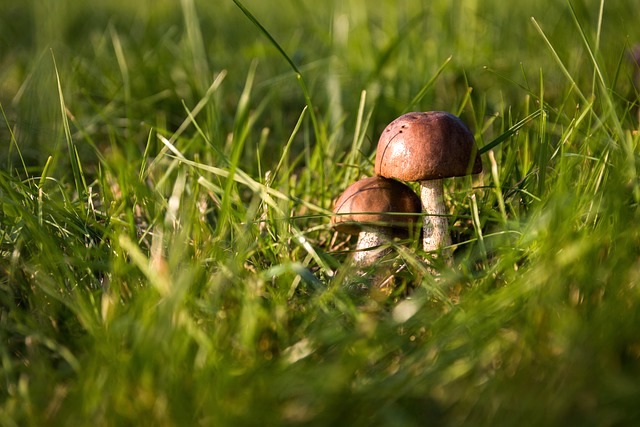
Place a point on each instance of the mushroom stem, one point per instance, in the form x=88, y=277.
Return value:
x=370, y=250
x=435, y=226
x=369, y=247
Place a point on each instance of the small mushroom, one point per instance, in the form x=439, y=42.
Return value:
x=427, y=147
x=369, y=208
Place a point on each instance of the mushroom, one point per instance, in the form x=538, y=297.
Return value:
x=427, y=147
x=368, y=208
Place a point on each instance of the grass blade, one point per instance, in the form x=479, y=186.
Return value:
x=567, y=74
x=423, y=91
x=317, y=129
x=510, y=132
x=74, y=159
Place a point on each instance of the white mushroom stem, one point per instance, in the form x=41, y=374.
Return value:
x=370, y=246
x=435, y=226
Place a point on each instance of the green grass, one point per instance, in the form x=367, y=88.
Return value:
x=168, y=170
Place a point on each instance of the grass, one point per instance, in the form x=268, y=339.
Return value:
x=168, y=173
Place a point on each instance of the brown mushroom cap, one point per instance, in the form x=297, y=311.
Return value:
x=425, y=146
x=370, y=201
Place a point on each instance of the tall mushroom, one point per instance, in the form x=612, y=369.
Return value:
x=427, y=147
x=369, y=208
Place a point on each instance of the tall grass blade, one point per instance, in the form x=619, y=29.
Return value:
x=241, y=128
x=543, y=158
x=392, y=47
x=509, y=132
x=140, y=260
x=264, y=191
x=13, y=142
x=358, y=138
x=43, y=178
x=196, y=44
x=423, y=91
x=190, y=120
x=563, y=68
x=317, y=129
x=287, y=146
x=122, y=65
x=74, y=159
x=598, y=76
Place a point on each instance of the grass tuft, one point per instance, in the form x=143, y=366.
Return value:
x=177, y=265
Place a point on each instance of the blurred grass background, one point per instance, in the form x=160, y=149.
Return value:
x=166, y=251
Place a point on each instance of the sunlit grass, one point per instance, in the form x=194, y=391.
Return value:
x=167, y=181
